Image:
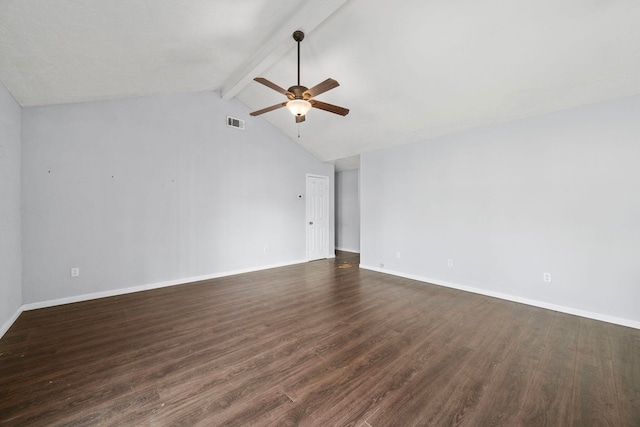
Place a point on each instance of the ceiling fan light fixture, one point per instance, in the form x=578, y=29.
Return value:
x=298, y=107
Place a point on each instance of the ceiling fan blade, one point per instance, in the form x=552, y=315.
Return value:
x=320, y=88
x=266, y=110
x=300, y=119
x=274, y=86
x=329, y=107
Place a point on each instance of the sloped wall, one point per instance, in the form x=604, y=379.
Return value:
x=152, y=190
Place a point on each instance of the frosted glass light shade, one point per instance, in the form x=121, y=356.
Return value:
x=298, y=107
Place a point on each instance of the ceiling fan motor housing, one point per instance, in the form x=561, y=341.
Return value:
x=299, y=92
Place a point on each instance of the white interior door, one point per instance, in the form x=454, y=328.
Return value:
x=317, y=217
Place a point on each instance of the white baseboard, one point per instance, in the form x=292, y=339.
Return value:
x=9, y=322
x=513, y=298
x=122, y=291
x=355, y=251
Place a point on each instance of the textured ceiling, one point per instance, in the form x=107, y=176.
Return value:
x=408, y=70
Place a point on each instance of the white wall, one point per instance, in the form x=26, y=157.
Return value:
x=145, y=191
x=348, y=211
x=558, y=193
x=10, y=251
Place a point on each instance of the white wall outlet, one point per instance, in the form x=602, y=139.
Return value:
x=546, y=277
x=449, y=262
x=75, y=272
x=266, y=249
x=398, y=255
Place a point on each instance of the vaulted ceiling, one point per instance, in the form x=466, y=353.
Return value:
x=408, y=71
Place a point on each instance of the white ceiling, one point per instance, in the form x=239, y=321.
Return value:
x=408, y=70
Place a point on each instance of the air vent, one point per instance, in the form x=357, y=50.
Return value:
x=232, y=122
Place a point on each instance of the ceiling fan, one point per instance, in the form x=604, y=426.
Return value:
x=301, y=98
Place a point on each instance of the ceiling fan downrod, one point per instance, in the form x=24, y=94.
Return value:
x=298, y=36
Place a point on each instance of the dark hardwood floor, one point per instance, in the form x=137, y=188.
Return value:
x=317, y=344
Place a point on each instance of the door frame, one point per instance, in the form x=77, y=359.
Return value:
x=326, y=214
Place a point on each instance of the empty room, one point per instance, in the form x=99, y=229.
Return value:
x=319, y=213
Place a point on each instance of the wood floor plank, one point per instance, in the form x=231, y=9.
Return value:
x=321, y=343
x=625, y=354
x=506, y=393
x=550, y=392
x=595, y=400
x=444, y=370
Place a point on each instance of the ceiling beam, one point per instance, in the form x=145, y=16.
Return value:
x=310, y=15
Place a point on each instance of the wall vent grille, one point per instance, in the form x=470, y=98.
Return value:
x=232, y=122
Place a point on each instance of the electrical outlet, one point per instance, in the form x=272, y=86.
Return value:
x=546, y=277
x=75, y=272
x=449, y=262
x=398, y=255
x=266, y=249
